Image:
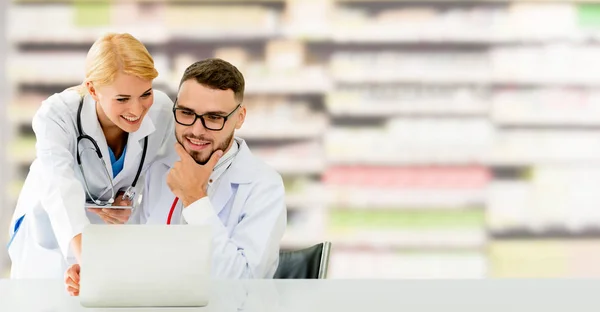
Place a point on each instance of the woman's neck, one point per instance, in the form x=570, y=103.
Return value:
x=115, y=137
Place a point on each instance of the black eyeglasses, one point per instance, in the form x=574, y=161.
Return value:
x=210, y=121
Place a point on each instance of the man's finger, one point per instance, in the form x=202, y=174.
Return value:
x=171, y=183
x=176, y=166
x=183, y=154
x=170, y=178
x=214, y=158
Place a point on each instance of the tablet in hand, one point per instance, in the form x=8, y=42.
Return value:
x=89, y=205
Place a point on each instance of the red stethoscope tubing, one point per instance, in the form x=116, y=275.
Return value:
x=172, y=209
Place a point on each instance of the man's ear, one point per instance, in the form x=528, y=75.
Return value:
x=242, y=118
x=91, y=90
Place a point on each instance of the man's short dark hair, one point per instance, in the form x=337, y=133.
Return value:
x=217, y=74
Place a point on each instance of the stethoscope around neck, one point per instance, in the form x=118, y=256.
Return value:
x=130, y=192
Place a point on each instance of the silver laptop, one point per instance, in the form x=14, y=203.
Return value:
x=145, y=266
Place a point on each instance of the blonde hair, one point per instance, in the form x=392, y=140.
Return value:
x=114, y=53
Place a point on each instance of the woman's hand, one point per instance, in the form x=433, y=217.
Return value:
x=114, y=216
x=72, y=279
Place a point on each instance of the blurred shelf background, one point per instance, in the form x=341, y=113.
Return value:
x=425, y=139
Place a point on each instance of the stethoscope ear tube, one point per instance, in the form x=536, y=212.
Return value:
x=89, y=138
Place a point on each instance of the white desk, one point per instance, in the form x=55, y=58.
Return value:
x=342, y=295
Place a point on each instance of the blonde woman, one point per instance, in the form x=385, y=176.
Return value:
x=94, y=143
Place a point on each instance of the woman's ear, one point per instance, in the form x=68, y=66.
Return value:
x=91, y=90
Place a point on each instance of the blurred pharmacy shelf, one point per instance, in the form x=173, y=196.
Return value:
x=336, y=1
x=551, y=258
x=450, y=1
x=6, y=95
x=377, y=199
x=547, y=234
x=425, y=139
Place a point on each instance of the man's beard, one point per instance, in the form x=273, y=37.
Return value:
x=196, y=154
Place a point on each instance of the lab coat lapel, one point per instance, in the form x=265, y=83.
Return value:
x=135, y=146
x=91, y=127
x=238, y=173
x=222, y=193
x=244, y=166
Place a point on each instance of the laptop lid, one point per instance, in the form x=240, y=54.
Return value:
x=145, y=266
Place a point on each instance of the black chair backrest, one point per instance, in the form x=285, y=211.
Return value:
x=300, y=264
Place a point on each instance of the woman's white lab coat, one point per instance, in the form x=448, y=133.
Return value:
x=53, y=196
x=246, y=212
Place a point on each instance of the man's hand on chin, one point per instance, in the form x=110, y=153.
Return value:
x=187, y=179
